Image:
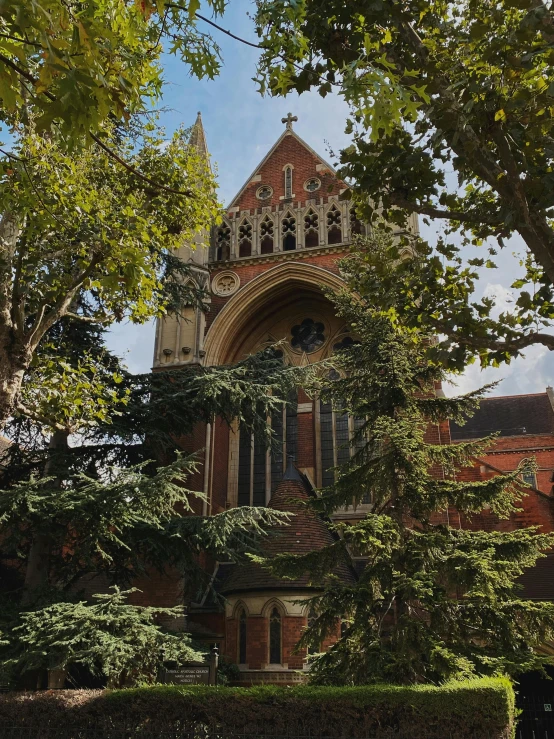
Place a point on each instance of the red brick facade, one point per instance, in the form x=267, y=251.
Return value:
x=526, y=426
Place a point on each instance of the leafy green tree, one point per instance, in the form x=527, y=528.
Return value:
x=435, y=600
x=82, y=228
x=432, y=289
x=452, y=114
x=79, y=65
x=98, y=490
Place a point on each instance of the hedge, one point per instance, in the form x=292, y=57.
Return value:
x=474, y=709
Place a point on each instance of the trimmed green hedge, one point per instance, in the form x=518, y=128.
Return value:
x=476, y=709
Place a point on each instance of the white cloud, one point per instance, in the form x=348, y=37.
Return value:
x=503, y=298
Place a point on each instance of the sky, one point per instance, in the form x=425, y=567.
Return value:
x=241, y=126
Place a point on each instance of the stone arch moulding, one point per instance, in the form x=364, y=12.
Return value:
x=239, y=606
x=244, y=304
x=272, y=603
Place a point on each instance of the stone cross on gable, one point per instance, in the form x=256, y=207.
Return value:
x=288, y=121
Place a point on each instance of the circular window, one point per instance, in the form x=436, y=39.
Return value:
x=225, y=284
x=307, y=336
x=312, y=184
x=264, y=192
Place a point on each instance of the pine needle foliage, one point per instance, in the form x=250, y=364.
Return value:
x=116, y=503
x=109, y=637
x=434, y=601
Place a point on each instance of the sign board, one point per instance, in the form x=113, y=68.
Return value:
x=191, y=673
x=548, y=706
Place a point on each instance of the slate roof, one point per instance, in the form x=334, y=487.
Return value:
x=306, y=531
x=513, y=415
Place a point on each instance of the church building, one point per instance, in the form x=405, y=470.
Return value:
x=264, y=267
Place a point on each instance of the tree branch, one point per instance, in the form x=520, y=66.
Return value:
x=85, y=319
x=129, y=167
x=452, y=215
x=20, y=408
x=511, y=345
x=137, y=172
x=43, y=322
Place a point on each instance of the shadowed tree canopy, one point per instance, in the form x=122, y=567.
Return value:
x=112, y=502
x=434, y=601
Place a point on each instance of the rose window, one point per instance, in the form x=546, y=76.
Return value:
x=264, y=192
x=307, y=336
x=312, y=184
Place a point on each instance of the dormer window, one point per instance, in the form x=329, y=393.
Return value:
x=288, y=182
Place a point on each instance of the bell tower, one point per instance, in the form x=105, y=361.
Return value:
x=180, y=338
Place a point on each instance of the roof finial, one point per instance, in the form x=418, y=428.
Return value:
x=288, y=121
x=291, y=473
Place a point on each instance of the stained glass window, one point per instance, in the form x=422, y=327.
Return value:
x=327, y=444
x=261, y=469
x=288, y=182
x=307, y=336
x=242, y=638
x=529, y=478
x=275, y=637
x=312, y=184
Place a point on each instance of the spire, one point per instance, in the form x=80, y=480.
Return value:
x=198, y=137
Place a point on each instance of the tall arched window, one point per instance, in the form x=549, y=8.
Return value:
x=288, y=182
x=260, y=469
x=242, y=638
x=275, y=639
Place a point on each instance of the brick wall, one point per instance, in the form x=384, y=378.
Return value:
x=509, y=451
x=289, y=151
x=249, y=270
x=257, y=641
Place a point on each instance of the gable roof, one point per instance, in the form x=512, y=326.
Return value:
x=305, y=532
x=511, y=415
x=286, y=133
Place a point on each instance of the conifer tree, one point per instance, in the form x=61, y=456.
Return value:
x=97, y=489
x=434, y=600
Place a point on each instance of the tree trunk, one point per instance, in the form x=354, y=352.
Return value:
x=37, y=574
x=14, y=361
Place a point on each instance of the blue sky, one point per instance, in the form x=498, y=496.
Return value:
x=241, y=126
